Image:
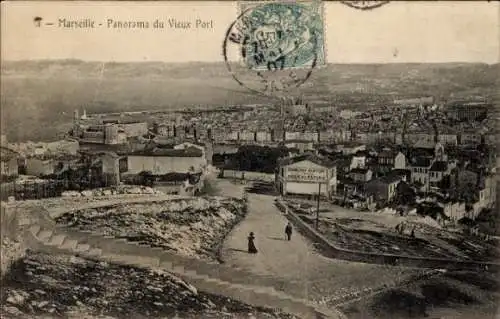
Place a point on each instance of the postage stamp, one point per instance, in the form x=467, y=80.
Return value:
x=281, y=35
x=276, y=43
x=364, y=5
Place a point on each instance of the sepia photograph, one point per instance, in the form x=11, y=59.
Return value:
x=249, y=159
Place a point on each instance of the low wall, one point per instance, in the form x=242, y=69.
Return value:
x=332, y=251
x=246, y=175
x=234, y=224
x=12, y=243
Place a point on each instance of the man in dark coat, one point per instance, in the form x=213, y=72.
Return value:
x=288, y=231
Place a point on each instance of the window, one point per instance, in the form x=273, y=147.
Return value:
x=123, y=164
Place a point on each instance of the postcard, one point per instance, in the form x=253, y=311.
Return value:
x=249, y=159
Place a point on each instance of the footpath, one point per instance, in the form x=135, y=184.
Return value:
x=295, y=267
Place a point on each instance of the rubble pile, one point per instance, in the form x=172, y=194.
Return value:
x=42, y=285
x=110, y=191
x=190, y=226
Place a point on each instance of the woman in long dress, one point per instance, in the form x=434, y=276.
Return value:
x=251, y=244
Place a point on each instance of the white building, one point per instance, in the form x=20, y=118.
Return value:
x=164, y=161
x=358, y=162
x=394, y=159
x=420, y=169
x=306, y=175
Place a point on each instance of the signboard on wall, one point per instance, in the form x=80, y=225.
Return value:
x=307, y=174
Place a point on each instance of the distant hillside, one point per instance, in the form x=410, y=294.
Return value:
x=38, y=97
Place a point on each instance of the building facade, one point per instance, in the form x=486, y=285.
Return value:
x=40, y=166
x=420, y=169
x=164, y=161
x=396, y=160
x=306, y=175
x=468, y=111
x=8, y=162
x=384, y=188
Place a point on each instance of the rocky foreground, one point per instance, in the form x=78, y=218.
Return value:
x=112, y=191
x=453, y=294
x=50, y=286
x=193, y=227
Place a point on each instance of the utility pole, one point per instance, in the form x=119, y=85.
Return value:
x=317, y=206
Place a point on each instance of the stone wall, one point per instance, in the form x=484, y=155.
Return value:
x=246, y=175
x=12, y=243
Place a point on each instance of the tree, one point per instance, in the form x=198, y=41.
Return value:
x=146, y=178
x=258, y=158
x=405, y=194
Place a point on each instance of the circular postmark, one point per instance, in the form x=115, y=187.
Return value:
x=364, y=5
x=272, y=48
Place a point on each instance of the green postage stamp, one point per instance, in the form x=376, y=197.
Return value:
x=274, y=46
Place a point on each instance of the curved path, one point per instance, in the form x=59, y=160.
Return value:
x=295, y=267
x=43, y=235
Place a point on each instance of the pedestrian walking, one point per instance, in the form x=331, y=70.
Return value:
x=288, y=231
x=251, y=245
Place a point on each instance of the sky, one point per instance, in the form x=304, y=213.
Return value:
x=422, y=32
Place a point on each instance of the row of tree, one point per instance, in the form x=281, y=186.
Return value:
x=253, y=158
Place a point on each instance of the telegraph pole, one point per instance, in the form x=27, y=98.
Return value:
x=317, y=206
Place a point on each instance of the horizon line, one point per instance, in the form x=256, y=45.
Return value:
x=222, y=62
